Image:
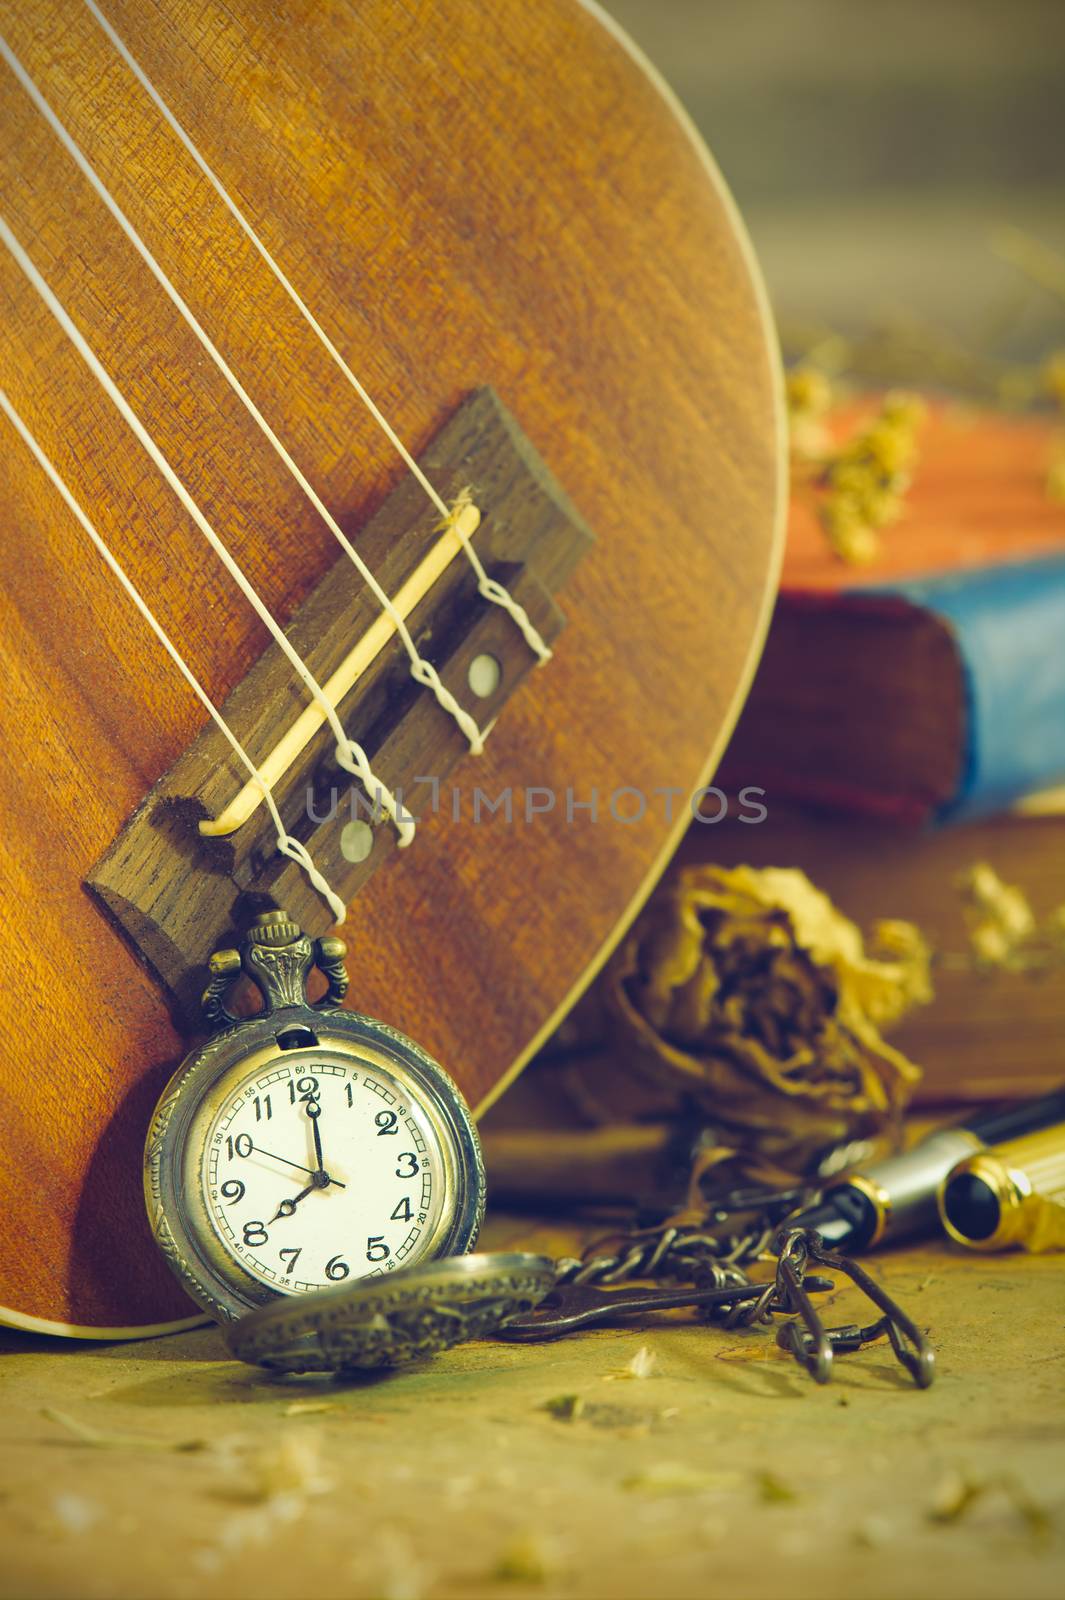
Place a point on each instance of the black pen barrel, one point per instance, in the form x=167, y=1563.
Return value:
x=896, y=1198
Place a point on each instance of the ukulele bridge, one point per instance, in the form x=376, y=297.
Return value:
x=180, y=872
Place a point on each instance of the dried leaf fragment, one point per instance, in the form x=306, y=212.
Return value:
x=72, y=1513
x=280, y=1480
x=528, y=1558
x=958, y=1491
x=773, y=1490
x=289, y=1466
x=101, y=1439
x=674, y=1477
x=643, y=1365
x=564, y=1407
x=247, y=1528
x=874, y=1533
x=401, y=1575
x=954, y=1495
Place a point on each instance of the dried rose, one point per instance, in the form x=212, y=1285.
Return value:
x=749, y=990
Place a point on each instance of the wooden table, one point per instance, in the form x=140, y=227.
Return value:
x=725, y=1472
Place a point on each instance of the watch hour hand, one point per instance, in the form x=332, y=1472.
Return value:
x=287, y=1207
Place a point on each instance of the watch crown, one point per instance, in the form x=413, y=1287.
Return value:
x=274, y=928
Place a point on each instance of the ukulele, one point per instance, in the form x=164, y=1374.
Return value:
x=392, y=482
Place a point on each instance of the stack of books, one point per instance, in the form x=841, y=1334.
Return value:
x=908, y=721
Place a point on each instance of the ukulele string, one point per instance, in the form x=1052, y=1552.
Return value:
x=286, y=844
x=487, y=587
x=422, y=671
x=349, y=754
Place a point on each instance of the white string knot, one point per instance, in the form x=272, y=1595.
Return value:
x=288, y=846
x=353, y=759
x=425, y=673
x=489, y=589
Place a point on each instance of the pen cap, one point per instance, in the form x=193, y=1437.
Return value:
x=1014, y=1194
x=896, y=1197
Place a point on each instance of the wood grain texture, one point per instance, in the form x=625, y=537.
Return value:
x=466, y=193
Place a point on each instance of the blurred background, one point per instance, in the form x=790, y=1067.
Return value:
x=901, y=171
x=890, y=161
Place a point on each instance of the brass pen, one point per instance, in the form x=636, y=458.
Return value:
x=1014, y=1194
x=896, y=1198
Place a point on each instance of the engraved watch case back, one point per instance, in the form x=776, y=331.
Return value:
x=388, y=1322
x=305, y=1145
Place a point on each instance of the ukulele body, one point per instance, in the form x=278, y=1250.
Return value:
x=467, y=195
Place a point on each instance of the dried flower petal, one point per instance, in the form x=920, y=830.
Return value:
x=865, y=479
x=642, y=1364
x=998, y=915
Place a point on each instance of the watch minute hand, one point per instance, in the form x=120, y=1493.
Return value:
x=314, y=1115
x=297, y=1164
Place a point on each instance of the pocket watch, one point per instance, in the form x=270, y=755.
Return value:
x=306, y=1147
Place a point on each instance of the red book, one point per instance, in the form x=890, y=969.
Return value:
x=930, y=684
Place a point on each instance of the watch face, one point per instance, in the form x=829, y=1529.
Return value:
x=317, y=1167
x=306, y=1147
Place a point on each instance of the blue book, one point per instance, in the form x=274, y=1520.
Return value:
x=922, y=700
